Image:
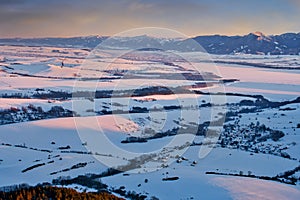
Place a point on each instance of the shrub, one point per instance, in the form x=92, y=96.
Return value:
x=276, y=135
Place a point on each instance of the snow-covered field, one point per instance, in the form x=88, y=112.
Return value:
x=135, y=133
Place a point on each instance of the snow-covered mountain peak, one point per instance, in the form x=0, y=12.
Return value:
x=261, y=36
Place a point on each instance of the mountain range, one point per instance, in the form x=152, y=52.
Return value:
x=253, y=43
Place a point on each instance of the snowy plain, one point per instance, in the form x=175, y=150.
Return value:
x=55, y=145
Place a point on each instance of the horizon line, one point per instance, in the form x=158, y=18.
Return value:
x=107, y=36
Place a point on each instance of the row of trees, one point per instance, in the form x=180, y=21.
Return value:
x=49, y=192
x=31, y=112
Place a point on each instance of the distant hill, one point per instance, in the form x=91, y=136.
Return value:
x=84, y=42
x=253, y=43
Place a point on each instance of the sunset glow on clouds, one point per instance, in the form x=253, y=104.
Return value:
x=38, y=18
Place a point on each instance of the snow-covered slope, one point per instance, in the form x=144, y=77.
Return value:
x=155, y=139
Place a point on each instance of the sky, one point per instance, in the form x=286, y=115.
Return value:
x=66, y=18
